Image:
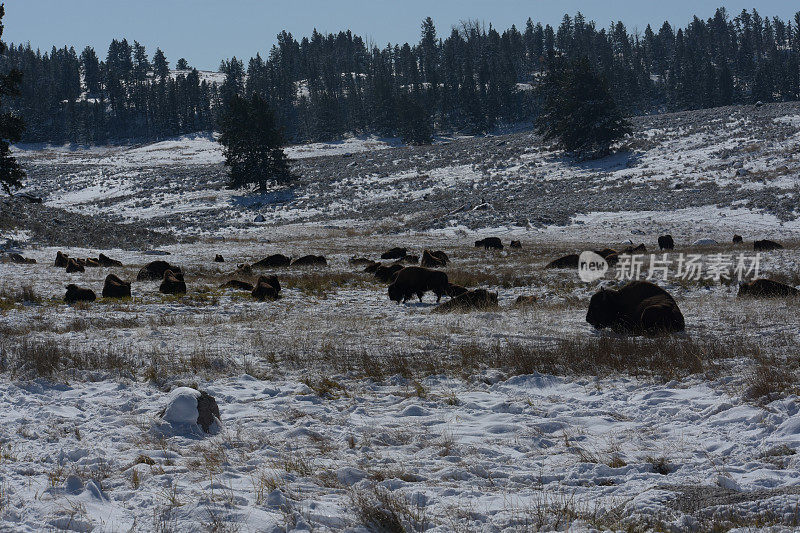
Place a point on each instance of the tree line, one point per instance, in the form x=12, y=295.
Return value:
x=327, y=85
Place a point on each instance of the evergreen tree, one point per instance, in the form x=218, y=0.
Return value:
x=182, y=64
x=11, y=126
x=252, y=140
x=579, y=111
x=160, y=64
x=415, y=124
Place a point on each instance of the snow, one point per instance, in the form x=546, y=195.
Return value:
x=182, y=406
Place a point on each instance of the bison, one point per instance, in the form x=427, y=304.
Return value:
x=18, y=259
x=310, y=260
x=267, y=288
x=273, y=261
x=478, y=299
x=74, y=266
x=219, y=259
x=172, y=283
x=766, y=288
x=394, y=253
x=238, y=285
x=638, y=307
x=61, y=260
x=106, y=261
x=737, y=239
x=766, y=245
x=410, y=259
x=386, y=273
x=114, y=287
x=418, y=280
x=631, y=250
x=78, y=294
x=665, y=242
x=568, y=261
x=91, y=262
x=155, y=270
x=455, y=290
x=434, y=259
x=372, y=267
x=489, y=242
x=357, y=261
x=516, y=244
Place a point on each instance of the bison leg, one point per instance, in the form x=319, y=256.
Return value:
x=419, y=295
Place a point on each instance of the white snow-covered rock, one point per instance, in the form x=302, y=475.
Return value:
x=704, y=242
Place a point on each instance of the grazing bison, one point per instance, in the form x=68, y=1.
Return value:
x=310, y=260
x=273, y=261
x=418, y=280
x=516, y=244
x=434, y=259
x=106, y=261
x=478, y=299
x=638, y=307
x=394, y=253
x=267, y=288
x=172, y=283
x=74, y=266
x=568, y=261
x=357, y=261
x=238, y=285
x=737, y=239
x=18, y=259
x=489, y=242
x=155, y=270
x=114, y=287
x=78, y=294
x=219, y=259
x=455, y=290
x=665, y=242
x=386, y=273
x=61, y=260
x=766, y=288
x=766, y=245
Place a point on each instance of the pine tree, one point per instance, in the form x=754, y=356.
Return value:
x=182, y=64
x=415, y=124
x=160, y=64
x=11, y=126
x=579, y=111
x=252, y=141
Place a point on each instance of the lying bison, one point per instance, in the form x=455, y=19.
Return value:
x=155, y=271
x=267, y=288
x=106, y=261
x=357, y=261
x=372, y=267
x=455, y=290
x=568, y=261
x=766, y=288
x=219, y=259
x=395, y=253
x=489, y=242
x=18, y=259
x=310, y=260
x=478, y=299
x=78, y=294
x=766, y=245
x=91, y=262
x=737, y=239
x=516, y=244
x=114, y=287
x=633, y=250
x=666, y=242
x=273, y=261
x=410, y=259
x=74, y=266
x=638, y=307
x=417, y=281
x=434, y=259
x=386, y=273
x=238, y=285
x=172, y=283
x=61, y=260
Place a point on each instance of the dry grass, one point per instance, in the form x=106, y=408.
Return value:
x=770, y=378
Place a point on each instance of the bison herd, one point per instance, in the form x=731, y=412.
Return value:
x=639, y=307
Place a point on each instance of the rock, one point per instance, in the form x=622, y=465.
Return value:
x=73, y=485
x=189, y=407
x=704, y=242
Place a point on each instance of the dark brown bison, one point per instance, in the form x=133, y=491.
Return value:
x=243, y=270
x=489, y=242
x=61, y=260
x=267, y=288
x=611, y=256
x=386, y=273
x=766, y=245
x=766, y=288
x=666, y=242
x=737, y=239
x=18, y=259
x=155, y=271
x=410, y=259
x=394, y=253
x=357, y=261
x=568, y=261
x=455, y=290
x=372, y=267
x=114, y=287
x=310, y=260
x=74, y=266
x=79, y=294
x=638, y=307
x=478, y=299
x=418, y=280
x=632, y=250
x=219, y=259
x=273, y=261
x=172, y=283
x=91, y=262
x=106, y=261
x=238, y=285
x=516, y=244
x=435, y=259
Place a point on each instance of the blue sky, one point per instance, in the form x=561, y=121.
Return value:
x=206, y=31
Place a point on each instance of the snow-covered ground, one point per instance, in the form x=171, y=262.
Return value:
x=341, y=410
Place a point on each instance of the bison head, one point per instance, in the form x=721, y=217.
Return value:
x=603, y=309
x=395, y=294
